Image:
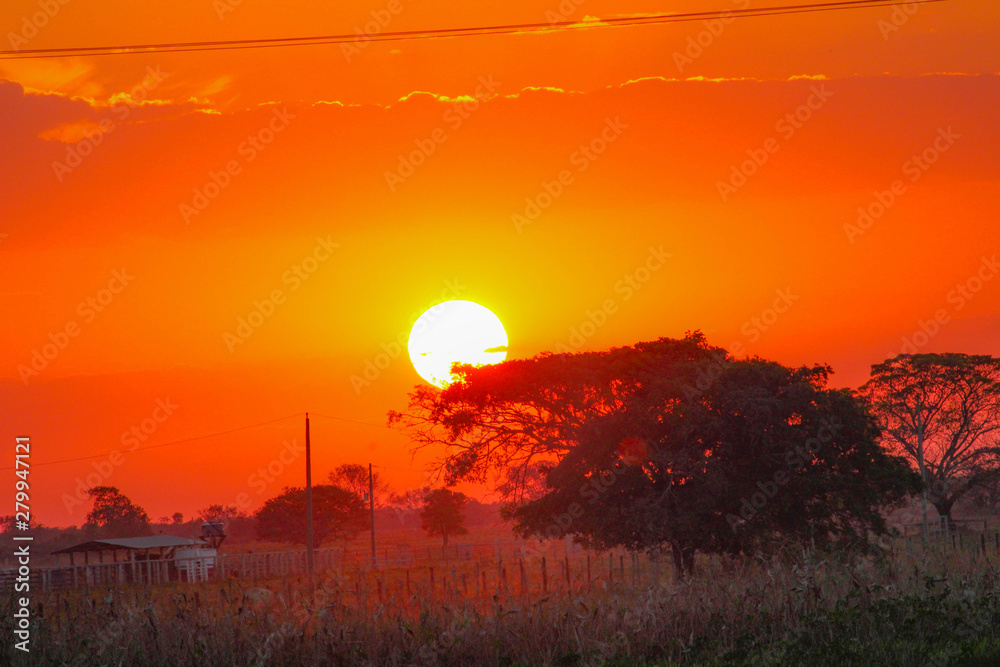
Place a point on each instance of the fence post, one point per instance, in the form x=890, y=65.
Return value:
x=545, y=577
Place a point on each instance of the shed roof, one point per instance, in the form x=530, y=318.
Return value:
x=150, y=542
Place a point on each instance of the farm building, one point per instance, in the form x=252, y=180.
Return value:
x=156, y=558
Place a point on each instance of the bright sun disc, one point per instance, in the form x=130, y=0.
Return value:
x=455, y=331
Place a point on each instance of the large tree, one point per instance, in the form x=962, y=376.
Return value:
x=442, y=514
x=114, y=515
x=337, y=514
x=942, y=411
x=665, y=445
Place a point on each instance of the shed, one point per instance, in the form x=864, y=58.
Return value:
x=152, y=547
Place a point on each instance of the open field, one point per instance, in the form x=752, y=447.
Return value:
x=912, y=606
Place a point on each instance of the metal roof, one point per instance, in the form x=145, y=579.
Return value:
x=150, y=542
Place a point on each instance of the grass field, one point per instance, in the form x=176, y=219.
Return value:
x=914, y=606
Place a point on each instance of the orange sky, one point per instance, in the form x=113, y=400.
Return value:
x=308, y=136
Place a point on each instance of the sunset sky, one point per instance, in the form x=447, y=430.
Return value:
x=653, y=180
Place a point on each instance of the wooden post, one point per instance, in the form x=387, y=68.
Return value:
x=309, y=508
x=545, y=577
x=371, y=506
x=569, y=585
x=524, y=580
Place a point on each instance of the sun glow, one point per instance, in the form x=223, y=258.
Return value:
x=455, y=331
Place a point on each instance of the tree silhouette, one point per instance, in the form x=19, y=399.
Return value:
x=337, y=514
x=669, y=445
x=114, y=515
x=942, y=411
x=442, y=514
x=354, y=478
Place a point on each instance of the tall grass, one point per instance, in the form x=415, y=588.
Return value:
x=908, y=608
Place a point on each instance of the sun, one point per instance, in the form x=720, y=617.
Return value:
x=451, y=331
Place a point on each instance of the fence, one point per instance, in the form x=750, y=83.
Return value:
x=503, y=568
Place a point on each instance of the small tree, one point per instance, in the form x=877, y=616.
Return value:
x=337, y=514
x=442, y=514
x=354, y=478
x=224, y=513
x=114, y=515
x=178, y=518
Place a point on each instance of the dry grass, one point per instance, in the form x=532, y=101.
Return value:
x=917, y=607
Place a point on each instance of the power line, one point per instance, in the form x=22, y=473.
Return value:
x=351, y=421
x=165, y=444
x=557, y=26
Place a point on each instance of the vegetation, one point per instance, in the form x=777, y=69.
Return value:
x=942, y=411
x=114, y=515
x=668, y=445
x=337, y=514
x=442, y=513
x=354, y=478
x=908, y=608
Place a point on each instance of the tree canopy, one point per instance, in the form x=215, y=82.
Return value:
x=665, y=445
x=337, y=514
x=354, y=478
x=941, y=411
x=442, y=514
x=114, y=515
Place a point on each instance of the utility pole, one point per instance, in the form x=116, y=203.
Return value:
x=371, y=506
x=309, y=508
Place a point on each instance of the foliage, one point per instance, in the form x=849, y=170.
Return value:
x=442, y=513
x=114, y=515
x=669, y=444
x=919, y=608
x=354, y=478
x=224, y=513
x=942, y=411
x=337, y=514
